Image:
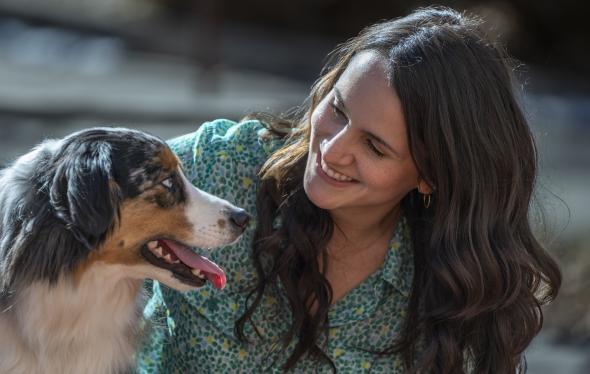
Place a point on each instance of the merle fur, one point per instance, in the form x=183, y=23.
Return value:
x=62, y=200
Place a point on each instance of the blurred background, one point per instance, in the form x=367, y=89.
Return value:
x=165, y=66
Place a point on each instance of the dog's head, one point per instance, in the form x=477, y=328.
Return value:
x=109, y=196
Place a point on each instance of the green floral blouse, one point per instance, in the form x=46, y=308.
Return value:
x=194, y=332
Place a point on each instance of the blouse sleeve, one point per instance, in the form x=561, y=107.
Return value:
x=223, y=157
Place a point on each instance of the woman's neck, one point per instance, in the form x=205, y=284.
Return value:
x=358, y=234
x=356, y=250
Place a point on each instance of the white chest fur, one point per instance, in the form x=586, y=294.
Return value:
x=66, y=328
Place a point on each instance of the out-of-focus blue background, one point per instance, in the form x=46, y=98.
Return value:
x=165, y=66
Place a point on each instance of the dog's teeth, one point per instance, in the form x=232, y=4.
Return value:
x=153, y=244
x=176, y=262
x=168, y=258
x=198, y=273
x=157, y=251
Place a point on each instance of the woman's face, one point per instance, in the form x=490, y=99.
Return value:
x=359, y=159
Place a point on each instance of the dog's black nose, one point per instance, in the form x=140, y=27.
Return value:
x=239, y=218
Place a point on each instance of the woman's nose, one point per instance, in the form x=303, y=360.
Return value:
x=337, y=149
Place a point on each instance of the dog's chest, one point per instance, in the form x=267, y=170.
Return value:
x=57, y=330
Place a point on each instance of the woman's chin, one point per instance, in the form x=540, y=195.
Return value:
x=319, y=198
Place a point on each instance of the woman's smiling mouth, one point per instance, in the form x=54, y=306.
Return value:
x=331, y=175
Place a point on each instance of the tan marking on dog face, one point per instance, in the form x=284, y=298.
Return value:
x=140, y=221
x=113, y=185
x=221, y=223
x=168, y=159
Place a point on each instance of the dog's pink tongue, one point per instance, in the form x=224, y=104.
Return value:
x=214, y=273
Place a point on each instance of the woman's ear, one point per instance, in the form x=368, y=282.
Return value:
x=423, y=187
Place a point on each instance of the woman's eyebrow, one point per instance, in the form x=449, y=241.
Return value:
x=338, y=96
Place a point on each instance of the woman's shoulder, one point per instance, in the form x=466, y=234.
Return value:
x=248, y=138
x=224, y=130
x=222, y=151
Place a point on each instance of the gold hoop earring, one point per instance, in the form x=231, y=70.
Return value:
x=426, y=200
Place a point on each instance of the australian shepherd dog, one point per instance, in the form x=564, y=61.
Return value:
x=83, y=222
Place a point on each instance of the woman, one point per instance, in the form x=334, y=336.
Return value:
x=391, y=219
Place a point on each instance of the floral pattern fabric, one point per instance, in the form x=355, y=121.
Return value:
x=194, y=332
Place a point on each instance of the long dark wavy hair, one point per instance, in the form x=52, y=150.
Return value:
x=480, y=276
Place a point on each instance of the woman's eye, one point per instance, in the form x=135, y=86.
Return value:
x=167, y=183
x=374, y=149
x=337, y=111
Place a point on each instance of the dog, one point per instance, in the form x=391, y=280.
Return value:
x=84, y=220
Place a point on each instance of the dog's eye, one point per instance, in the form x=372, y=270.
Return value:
x=167, y=183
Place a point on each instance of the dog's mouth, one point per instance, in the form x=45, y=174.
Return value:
x=185, y=265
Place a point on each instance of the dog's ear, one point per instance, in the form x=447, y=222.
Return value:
x=84, y=193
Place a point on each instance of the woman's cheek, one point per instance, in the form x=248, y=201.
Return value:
x=316, y=127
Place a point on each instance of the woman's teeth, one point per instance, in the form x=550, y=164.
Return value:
x=334, y=174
